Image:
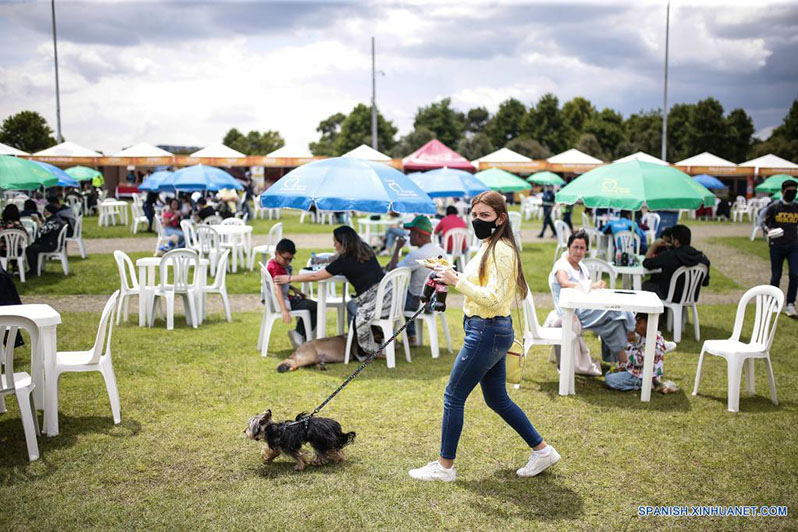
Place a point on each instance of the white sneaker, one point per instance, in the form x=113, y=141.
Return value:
x=538, y=463
x=789, y=310
x=296, y=339
x=434, y=471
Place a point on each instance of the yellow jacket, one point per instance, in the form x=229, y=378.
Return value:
x=494, y=296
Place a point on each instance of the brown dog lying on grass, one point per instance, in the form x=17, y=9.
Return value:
x=316, y=352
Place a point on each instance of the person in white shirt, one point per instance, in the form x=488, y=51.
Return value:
x=420, y=237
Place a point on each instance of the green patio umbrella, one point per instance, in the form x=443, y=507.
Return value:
x=498, y=179
x=546, y=178
x=629, y=185
x=773, y=183
x=21, y=174
x=83, y=173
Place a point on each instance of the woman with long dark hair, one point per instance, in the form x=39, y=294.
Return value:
x=490, y=282
x=356, y=261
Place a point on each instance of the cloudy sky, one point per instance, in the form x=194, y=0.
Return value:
x=185, y=72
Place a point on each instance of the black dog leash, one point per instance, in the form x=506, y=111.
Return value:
x=365, y=363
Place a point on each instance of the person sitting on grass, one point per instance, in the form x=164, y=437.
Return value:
x=420, y=233
x=628, y=375
x=288, y=297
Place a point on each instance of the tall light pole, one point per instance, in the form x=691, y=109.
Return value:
x=373, y=98
x=665, y=104
x=59, y=138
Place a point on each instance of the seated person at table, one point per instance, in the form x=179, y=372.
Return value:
x=289, y=297
x=625, y=223
x=65, y=213
x=10, y=221
x=203, y=210
x=628, y=375
x=31, y=211
x=420, y=233
x=48, y=236
x=451, y=221
x=170, y=219
x=356, y=262
x=569, y=271
x=391, y=234
x=669, y=260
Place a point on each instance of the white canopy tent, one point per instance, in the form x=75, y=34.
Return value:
x=366, y=152
x=68, y=149
x=643, y=157
x=292, y=152
x=769, y=161
x=5, y=149
x=218, y=150
x=142, y=149
x=502, y=155
x=573, y=156
x=705, y=159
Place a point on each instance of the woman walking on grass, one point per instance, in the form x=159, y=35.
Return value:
x=490, y=282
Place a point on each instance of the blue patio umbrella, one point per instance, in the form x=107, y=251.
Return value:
x=154, y=180
x=448, y=183
x=64, y=179
x=199, y=177
x=709, y=181
x=346, y=183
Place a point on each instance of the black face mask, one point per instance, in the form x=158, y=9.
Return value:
x=483, y=229
x=789, y=195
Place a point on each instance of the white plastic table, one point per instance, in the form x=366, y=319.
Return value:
x=636, y=274
x=148, y=268
x=364, y=227
x=40, y=321
x=321, y=309
x=632, y=301
x=238, y=238
x=109, y=209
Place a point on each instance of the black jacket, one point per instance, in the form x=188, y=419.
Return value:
x=671, y=260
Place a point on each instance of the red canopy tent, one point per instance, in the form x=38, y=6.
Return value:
x=435, y=154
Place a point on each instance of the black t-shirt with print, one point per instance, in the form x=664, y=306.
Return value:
x=362, y=275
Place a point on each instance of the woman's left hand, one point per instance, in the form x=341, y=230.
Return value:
x=447, y=275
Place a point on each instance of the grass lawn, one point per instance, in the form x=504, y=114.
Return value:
x=758, y=247
x=178, y=460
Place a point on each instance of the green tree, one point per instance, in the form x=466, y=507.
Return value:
x=476, y=120
x=329, y=129
x=783, y=141
x=607, y=127
x=707, y=129
x=589, y=144
x=545, y=123
x=412, y=141
x=530, y=147
x=447, y=123
x=356, y=130
x=506, y=123
x=254, y=143
x=27, y=131
x=644, y=133
x=474, y=146
x=576, y=114
x=679, y=122
x=739, y=131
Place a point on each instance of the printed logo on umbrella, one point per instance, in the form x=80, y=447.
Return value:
x=292, y=184
x=610, y=186
x=396, y=187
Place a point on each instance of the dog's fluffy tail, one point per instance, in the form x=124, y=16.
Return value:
x=346, y=439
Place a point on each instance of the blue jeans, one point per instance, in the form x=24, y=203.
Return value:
x=411, y=304
x=481, y=361
x=391, y=235
x=171, y=231
x=777, y=256
x=623, y=381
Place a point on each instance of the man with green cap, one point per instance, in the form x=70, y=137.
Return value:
x=421, y=240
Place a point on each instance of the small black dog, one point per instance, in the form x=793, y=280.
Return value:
x=323, y=434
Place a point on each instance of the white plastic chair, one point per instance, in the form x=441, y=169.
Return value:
x=515, y=225
x=209, y=244
x=138, y=217
x=21, y=385
x=597, y=267
x=628, y=242
x=76, y=204
x=239, y=245
x=333, y=301
x=769, y=301
x=219, y=285
x=534, y=332
x=77, y=236
x=562, y=231
x=58, y=253
x=15, y=241
x=398, y=279
x=128, y=284
x=428, y=320
x=179, y=262
x=272, y=312
x=692, y=276
x=190, y=234
x=457, y=238
x=267, y=249
x=233, y=221
x=213, y=219
x=161, y=237
x=652, y=221
x=31, y=227
x=98, y=358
